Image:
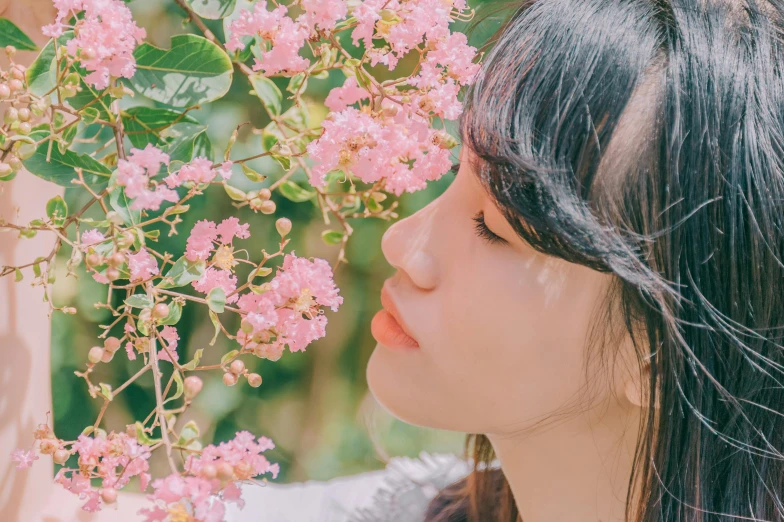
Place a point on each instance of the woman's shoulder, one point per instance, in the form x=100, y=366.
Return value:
x=400, y=492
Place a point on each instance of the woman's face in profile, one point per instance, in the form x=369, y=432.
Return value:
x=501, y=328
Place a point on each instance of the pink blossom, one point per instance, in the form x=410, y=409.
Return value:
x=323, y=13
x=341, y=97
x=170, y=335
x=105, y=38
x=215, y=278
x=287, y=38
x=230, y=228
x=197, y=171
x=23, y=459
x=115, y=459
x=142, y=265
x=290, y=307
x=402, y=148
x=135, y=174
x=199, y=244
x=91, y=238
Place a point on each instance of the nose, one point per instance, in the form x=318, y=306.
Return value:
x=407, y=246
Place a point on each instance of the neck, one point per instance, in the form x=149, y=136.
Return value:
x=573, y=471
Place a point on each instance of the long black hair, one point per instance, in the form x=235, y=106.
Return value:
x=645, y=138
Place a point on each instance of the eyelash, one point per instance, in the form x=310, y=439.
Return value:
x=484, y=232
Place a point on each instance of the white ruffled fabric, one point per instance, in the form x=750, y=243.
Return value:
x=399, y=493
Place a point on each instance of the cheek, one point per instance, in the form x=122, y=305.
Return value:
x=512, y=338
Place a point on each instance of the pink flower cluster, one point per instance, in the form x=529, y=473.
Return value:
x=115, y=459
x=217, y=468
x=399, y=145
x=142, y=266
x=202, y=244
x=287, y=36
x=136, y=173
x=105, y=38
x=398, y=142
x=289, y=308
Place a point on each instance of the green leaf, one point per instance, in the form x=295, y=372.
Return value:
x=142, y=437
x=295, y=84
x=180, y=387
x=283, y=161
x=57, y=210
x=297, y=117
x=182, y=273
x=189, y=432
x=270, y=136
x=10, y=34
x=191, y=146
x=192, y=72
x=144, y=125
x=213, y=9
x=122, y=203
x=252, y=174
x=139, y=301
x=294, y=192
x=90, y=115
x=229, y=356
x=268, y=93
x=88, y=96
x=18, y=275
x=60, y=168
x=216, y=324
x=42, y=74
x=196, y=360
x=333, y=237
x=235, y=193
x=106, y=390
x=175, y=313
x=216, y=300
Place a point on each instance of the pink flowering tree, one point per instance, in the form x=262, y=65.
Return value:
x=378, y=138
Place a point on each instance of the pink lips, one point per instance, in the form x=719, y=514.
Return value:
x=387, y=326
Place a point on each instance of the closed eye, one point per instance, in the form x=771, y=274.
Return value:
x=484, y=232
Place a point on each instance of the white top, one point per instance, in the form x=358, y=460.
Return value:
x=399, y=492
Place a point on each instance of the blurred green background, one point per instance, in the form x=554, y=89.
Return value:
x=314, y=404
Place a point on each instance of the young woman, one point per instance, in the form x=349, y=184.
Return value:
x=599, y=295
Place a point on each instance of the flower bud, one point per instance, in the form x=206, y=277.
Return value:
x=11, y=115
x=109, y=495
x=126, y=239
x=49, y=446
x=5, y=169
x=61, y=456
x=112, y=274
x=229, y=379
x=283, y=225
x=225, y=471
x=117, y=259
x=5, y=91
x=107, y=356
x=93, y=260
x=237, y=367
x=10, y=50
x=254, y=379
x=112, y=344
x=95, y=354
x=25, y=128
x=243, y=470
x=24, y=114
x=160, y=311
x=192, y=385
x=88, y=53
x=15, y=163
x=268, y=207
x=208, y=471
x=246, y=327
x=265, y=194
x=16, y=85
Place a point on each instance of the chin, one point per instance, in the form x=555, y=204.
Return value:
x=395, y=380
